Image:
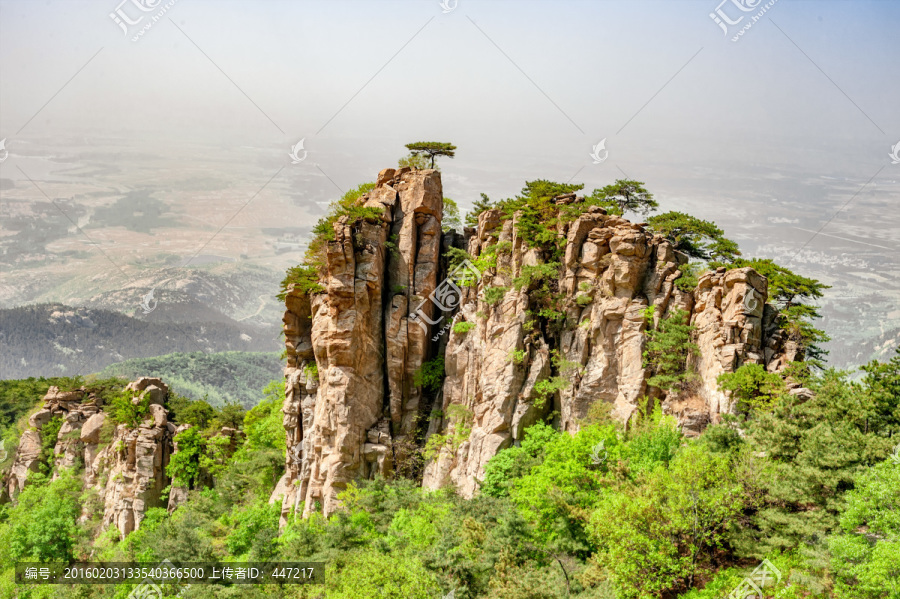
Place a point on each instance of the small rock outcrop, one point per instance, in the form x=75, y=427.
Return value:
x=125, y=465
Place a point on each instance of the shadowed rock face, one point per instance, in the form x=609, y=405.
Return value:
x=357, y=417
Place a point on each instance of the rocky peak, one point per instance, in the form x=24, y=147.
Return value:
x=354, y=407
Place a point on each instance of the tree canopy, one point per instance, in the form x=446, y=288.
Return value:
x=432, y=149
x=627, y=195
x=480, y=205
x=450, y=219
x=695, y=237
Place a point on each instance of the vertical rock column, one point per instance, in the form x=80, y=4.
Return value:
x=412, y=276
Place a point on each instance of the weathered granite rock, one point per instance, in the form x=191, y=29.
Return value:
x=352, y=350
x=352, y=404
x=128, y=470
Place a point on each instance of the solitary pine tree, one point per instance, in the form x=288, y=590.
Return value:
x=431, y=149
x=627, y=195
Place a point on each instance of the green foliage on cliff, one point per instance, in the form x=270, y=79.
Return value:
x=431, y=149
x=668, y=348
x=480, y=205
x=793, y=296
x=636, y=512
x=695, y=237
x=42, y=525
x=625, y=195
x=19, y=396
x=430, y=375
x=305, y=277
x=123, y=410
x=865, y=555
x=450, y=217
x=184, y=464
x=753, y=386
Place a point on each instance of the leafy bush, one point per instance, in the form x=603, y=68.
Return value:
x=492, y=295
x=462, y=327
x=430, y=375
x=49, y=436
x=42, y=524
x=689, y=277
x=753, y=386
x=655, y=535
x=866, y=554
x=695, y=237
x=125, y=411
x=668, y=347
x=249, y=524
x=537, y=274
x=184, y=464
x=459, y=419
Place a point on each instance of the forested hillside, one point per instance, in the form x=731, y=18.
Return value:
x=219, y=378
x=809, y=482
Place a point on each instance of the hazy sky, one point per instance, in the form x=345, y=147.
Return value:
x=523, y=88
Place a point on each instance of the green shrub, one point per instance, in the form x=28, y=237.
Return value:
x=753, y=386
x=459, y=425
x=430, y=375
x=124, y=411
x=492, y=295
x=42, y=525
x=517, y=356
x=184, y=464
x=689, y=277
x=49, y=438
x=866, y=554
x=462, y=327
x=533, y=275
x=249, y=523
x=668, y=347
x=311, y=371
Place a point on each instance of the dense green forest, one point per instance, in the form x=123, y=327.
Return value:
x=808, y=482
x=219, y=378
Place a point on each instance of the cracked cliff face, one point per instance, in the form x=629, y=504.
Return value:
x=352, y=350
x=511, y=365
x=613, y=270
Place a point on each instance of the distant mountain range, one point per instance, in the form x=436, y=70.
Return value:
x=60, y=340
